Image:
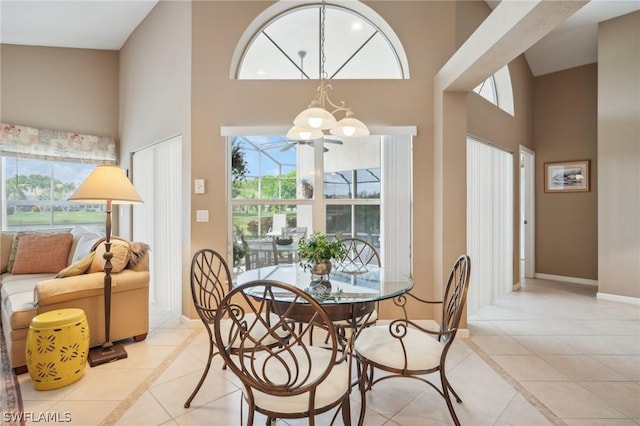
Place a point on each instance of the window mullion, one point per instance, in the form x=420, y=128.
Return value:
x=318, y=203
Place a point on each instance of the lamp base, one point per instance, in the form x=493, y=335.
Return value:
x=108, y=352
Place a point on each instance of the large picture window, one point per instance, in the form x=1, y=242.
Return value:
x=35, y=192
x=278, y=186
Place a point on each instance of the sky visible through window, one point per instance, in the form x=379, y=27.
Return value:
x=276, y=146
x=74, y=173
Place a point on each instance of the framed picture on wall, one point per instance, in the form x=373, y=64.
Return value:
x=567, y=176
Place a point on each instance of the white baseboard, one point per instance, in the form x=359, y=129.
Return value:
x=617, y=298
x=583, y=281
x=190, y=322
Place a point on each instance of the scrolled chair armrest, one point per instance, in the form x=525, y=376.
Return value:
x=398, y=329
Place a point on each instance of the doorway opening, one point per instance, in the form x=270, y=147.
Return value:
x=527, y=213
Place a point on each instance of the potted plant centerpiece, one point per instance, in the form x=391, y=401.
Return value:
x=316, y=252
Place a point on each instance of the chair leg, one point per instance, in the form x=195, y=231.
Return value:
x=458, y=399
x=445, y=391
x=363, y=389
x=369, y=377
x=346, y=411
x=204, y=375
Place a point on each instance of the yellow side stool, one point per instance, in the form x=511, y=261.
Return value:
x=57, y=347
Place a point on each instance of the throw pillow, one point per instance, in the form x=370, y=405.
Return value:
x=14, y=250
x=84, y=245
x=41, y=253
x=121, y=254
x=138, y=251
x=6, y=241
x=76, y=232
x=77, y=268
x=16, y=240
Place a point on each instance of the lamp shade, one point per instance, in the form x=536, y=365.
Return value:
x=315, y=118
x=106, y=183
x=304, y=133
x=350, y=127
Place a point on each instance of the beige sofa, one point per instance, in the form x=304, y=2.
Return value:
x=25, y=295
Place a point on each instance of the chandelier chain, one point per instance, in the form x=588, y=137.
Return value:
x=311, y=123
x=323, y=16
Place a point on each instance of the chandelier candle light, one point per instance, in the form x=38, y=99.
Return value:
x=106, y=185
x=311, y=123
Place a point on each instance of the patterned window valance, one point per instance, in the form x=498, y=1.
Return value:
x=56, y=145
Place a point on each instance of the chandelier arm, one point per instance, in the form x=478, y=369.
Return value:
x=324, y=94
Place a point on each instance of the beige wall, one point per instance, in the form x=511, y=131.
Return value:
x=565, y=129
x=155, y=101
x=73, y=90
x=619, y=156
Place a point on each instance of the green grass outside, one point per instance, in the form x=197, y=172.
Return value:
x=39, y=218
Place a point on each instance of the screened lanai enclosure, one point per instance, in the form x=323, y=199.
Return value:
x=282, y=190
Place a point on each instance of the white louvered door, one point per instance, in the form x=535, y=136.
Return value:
x=489, y=223
x=157, y=176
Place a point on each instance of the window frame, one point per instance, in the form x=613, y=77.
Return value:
x=280, y=8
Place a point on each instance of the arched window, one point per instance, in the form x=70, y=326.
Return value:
x=497, y=90
x=487, y=89
x=284, y=44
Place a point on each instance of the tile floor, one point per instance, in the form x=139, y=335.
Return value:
x=549, y=354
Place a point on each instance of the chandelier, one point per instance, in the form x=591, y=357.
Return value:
x=320, y=115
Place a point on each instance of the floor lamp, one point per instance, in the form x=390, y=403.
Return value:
x=106, y=185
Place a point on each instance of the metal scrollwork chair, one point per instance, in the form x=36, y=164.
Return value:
x=210, y=283
x=293, y=379
x=405, y=349
x=358, y=254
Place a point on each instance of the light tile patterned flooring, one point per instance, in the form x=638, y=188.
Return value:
x=548, y=354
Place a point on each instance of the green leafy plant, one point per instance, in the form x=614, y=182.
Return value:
x=239, y=252
x=239, y=165
x=317, y=248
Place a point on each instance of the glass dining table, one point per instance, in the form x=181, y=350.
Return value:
x=351, y=294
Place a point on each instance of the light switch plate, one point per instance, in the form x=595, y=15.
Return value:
x=202, y=215
x=198, y=186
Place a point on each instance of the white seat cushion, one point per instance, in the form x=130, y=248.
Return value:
x=378, y=345
x=333, y=388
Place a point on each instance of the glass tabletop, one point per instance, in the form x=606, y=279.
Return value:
x=357, y=285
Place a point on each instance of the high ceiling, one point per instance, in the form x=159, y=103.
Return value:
x=108, y=24
x=82, y=24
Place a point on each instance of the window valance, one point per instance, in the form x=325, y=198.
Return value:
x=56, y=145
